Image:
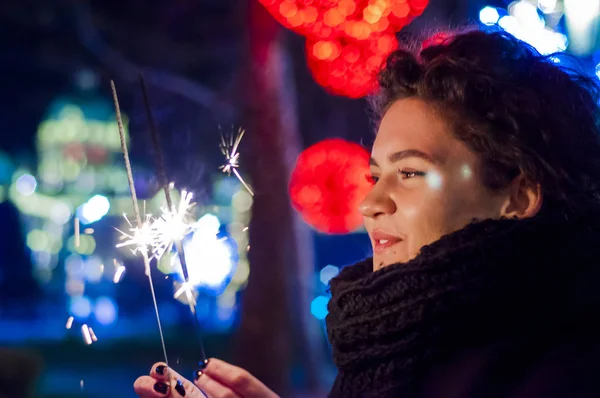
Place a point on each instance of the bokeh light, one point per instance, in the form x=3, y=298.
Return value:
x=327, y=273
x=211, y=260
x=80, y=307
x=105, y=310
x=318, y=307
x=489, y=15
x=26, y=184
x=94, y=209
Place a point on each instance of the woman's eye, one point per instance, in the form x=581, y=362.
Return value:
x=372, y=179
x=407, y=174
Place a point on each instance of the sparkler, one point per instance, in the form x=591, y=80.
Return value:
x=174, y=228
x=230, y=149
x=173, y=225
x=139, y=238
x=142, y=228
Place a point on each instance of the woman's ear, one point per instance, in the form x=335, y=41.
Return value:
x=524, y=199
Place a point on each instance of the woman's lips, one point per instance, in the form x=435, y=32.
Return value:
x=383, y=241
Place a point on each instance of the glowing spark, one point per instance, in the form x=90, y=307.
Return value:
x=245, y=229
x=119, y=273
x=141, y=239
x=230, y=149
x=76, y=224
x=92, y=334
x=186, y=288
x=69, y=322
x=85, y=331
x=173, y=225
x=81, y=383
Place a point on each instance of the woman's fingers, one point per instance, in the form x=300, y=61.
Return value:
x=237, y=379
x=178, y=385
x=148, y=387
x=160, y=371
x=214, y=389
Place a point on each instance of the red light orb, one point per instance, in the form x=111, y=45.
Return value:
x=356, y=19
x=328, y=184
x=349, y=68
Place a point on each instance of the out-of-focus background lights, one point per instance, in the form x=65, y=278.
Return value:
x=211, y=260
x=94, y=209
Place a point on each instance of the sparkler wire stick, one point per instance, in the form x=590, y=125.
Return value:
x=162, y=175
x=136, y=210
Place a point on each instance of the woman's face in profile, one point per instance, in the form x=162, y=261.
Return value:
x=426, y=184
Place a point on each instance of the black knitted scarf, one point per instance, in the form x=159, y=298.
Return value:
x=491, y=279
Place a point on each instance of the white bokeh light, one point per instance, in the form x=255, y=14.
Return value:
x=94, y=209
x=210, y=259
x=489, y=15
x=26, y=184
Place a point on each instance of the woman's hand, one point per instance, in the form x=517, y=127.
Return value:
x=218, y=379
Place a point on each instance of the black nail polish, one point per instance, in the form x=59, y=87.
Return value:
x=197, y=374
x=160, y=369
x=179, y=388
x=161, y=387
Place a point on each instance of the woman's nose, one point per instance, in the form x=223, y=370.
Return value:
x=378, y=202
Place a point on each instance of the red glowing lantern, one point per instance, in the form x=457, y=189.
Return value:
x=328, y=184
x=354, y=19
x=349, y=68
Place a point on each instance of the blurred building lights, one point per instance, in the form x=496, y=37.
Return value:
x=38, y=240
x=60, y=213
x=87, y=244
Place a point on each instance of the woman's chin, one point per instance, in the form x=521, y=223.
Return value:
x=380, y=262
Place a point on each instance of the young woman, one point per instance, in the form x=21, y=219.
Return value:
x=485, y=223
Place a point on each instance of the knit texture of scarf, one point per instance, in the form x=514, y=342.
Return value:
x=491, y=279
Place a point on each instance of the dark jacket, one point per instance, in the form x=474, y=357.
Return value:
x=505, y=308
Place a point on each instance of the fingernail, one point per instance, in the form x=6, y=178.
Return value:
x=202, y=365
x=179, y=388
x=161, y=387
x=197, y=374
x=160, y=369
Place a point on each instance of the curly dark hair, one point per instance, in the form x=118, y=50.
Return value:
x=519, y=111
